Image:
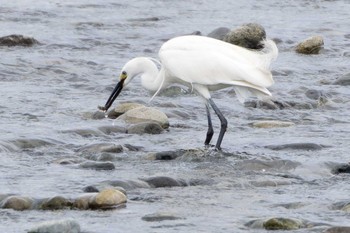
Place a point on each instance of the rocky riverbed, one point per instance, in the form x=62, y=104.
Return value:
x=142, y=167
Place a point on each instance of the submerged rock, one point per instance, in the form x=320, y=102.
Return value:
x=272, y=124
x=57, y=226
x=311, y=45
x=97, y=165
x=146, y=114
x=17, y=40
x=160, y=216
x=341, y=168
x=338, y=230
x=248, y=36
x=102, y=147
x=277, y=224
x=343, y=81
x=297, y=146
x=163, y=181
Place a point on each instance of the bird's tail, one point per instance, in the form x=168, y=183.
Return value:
x=269, y=53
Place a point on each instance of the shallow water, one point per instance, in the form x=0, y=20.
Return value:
x=48, y=92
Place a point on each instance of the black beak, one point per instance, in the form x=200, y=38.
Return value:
x=118, y=88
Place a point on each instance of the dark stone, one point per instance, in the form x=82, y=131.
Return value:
x=167, y=155
x=343, y=168
x=219, y=33
x=97, y=165
x=163, y=181
x=157, y=217
x=297, y=146
x=132, y=147
x=17, y=40
x=90, y=189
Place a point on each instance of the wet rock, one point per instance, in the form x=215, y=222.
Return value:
x=338, y=230
x=102, y=147
x=55, y=203
x=132, y=147
x=146, y=114
x=269, y=183
x=17, y=203
x=219, y=33
x=297, y=146
x=112, y=129
x=90, y=189
x=272, y=124
x=30, y=143
x=107, y=198
x=160, y=216
x=123, y=108
x=163, y=181
x=283, y=224
x=82, y=202
x=165, y=155
x=97, y=165
x=248, y=36
x=68, y=161
x=57, y=226
x=266, y=104
x=311, y=45
x=314, y=94
x=145, y=128
x=98, y=115
x=277, y=224
x=17, y=40
x=129, y=184
x=343, y=81
x=341, y=168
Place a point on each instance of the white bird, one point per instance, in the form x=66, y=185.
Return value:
x=203, y=64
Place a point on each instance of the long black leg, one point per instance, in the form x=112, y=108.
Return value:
x=210, y=131
x=223, y=123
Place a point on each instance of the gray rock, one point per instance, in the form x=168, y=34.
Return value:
x=112, y=129
x=343, y=81
x=248, y=36
x=17, y=40
x=163, y=181
x=160, y=216
x=145, y=127
x=102, y=147
x=277, y=224
x=311, y=45
x=219, y=33
x=57, y=226
x=297, y=146
x=341, y=168
x=97, y=165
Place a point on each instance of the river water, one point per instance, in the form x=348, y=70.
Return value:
x=48, y=92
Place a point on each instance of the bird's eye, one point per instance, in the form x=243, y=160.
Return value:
x=124, y=73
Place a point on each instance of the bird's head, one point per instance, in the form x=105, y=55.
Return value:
x=131, y=69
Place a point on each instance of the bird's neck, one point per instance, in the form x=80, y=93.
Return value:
x=151, y=78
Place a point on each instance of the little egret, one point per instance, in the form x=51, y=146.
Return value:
x=203, y=64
